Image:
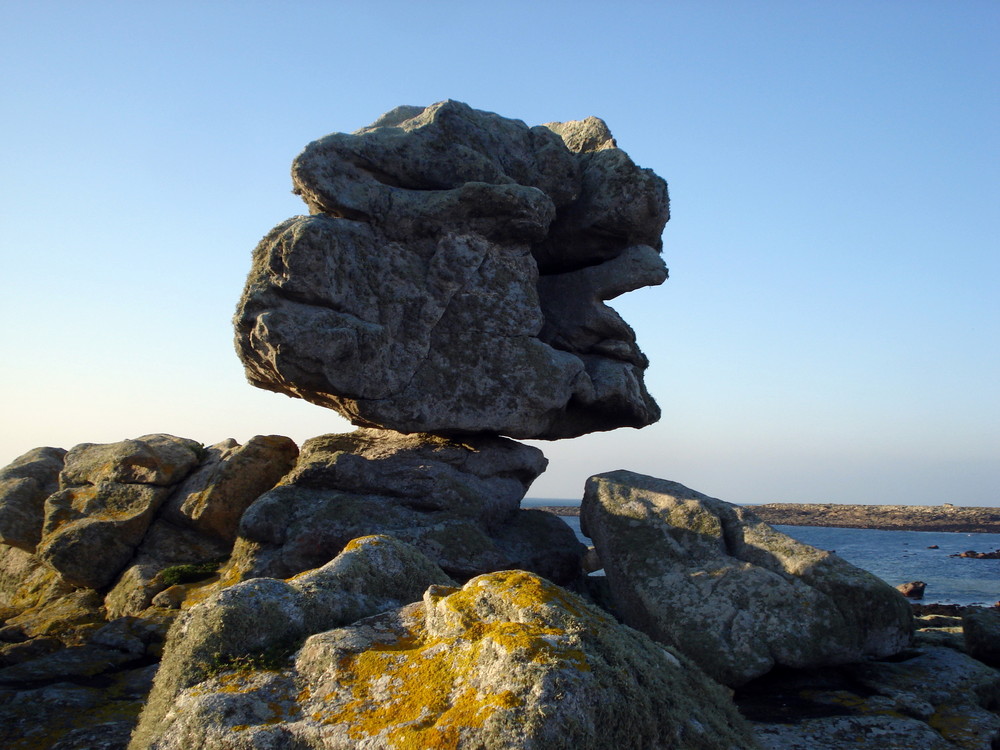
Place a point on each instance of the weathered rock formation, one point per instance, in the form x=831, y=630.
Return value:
x=509, y=661
x=736, y=596
x=446, y=291
x=457, y=502
x=452, y=277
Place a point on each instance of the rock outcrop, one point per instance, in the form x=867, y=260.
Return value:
x=453, y=274
x=456, y=501
x=932, y=697
x=509, y=661
x=736, y=596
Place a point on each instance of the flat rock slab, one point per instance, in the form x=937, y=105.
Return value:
x=736, y=596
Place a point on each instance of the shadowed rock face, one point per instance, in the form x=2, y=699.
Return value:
x=453, y=274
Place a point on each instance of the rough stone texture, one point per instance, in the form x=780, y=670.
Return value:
x=411, y=298
x=729, y=591
x=160, y=460
x=24, y=485
x=455, y=501
x=371, y=575
x=230, y=477
x=510, y=661
x=929, y=697
x=109, y=496
x=981, y=629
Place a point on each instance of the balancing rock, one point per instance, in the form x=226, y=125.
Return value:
x=452, y=275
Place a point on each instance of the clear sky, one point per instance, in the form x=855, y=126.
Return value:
x=830, y=329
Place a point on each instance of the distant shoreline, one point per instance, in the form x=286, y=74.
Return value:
x=886, y=517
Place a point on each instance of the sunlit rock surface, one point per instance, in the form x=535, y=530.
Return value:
x=452, y=276
x=736, y=596
x=509, y=661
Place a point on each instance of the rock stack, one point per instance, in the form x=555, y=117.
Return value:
x=383, y=588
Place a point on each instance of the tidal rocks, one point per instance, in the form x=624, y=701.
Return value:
x=456, y=501
x=453, y=274
x=729, y=591
x=509, y=661
x=912, y=589
x=930, y=697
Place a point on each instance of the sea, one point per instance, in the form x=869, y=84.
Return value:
x=894, y=556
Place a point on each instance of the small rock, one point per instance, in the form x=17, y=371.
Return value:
x=912, y=590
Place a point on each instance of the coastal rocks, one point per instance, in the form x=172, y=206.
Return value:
x=912, y=589
x=509, y=661
x=930, y=697
x=456, y=501
x=230, y=477
x=981, y=628
x=428, y=290
x=727, y=590
x=269, y=616
x=24, y=485
x=108, y=496
x=995, y=555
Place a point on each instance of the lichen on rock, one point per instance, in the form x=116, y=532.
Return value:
x=508, y=661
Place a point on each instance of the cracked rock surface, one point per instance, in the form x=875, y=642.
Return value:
x=736, y=596
x=452, y=276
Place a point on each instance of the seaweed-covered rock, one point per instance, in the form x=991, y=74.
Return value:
x=729, y=591
x=411, y=298
x=509, y=661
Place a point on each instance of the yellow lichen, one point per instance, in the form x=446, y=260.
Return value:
x=416, y=691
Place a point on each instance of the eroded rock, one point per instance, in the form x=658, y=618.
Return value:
x=271, y=616
x=24, y=485
x=411, y=299
x=729, y=591
x=509, y=661
x=455, y=500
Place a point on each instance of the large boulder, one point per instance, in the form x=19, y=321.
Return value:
x=981, y=632
x=267, y=616
x=109, y=495
x=456, y=501
x=509, y=662
x=427, y=290
x=729, y=591
x=24, y=485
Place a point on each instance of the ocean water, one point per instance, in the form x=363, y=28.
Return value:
x=895, y=556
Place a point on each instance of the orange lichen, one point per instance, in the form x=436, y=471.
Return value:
x=417, y=691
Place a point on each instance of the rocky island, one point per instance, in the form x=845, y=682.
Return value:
x=965, y=520
x=384, y=588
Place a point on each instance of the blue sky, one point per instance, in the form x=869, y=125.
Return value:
x=830, y=329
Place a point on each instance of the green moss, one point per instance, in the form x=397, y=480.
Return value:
x=272, y=659
x=188, y=573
